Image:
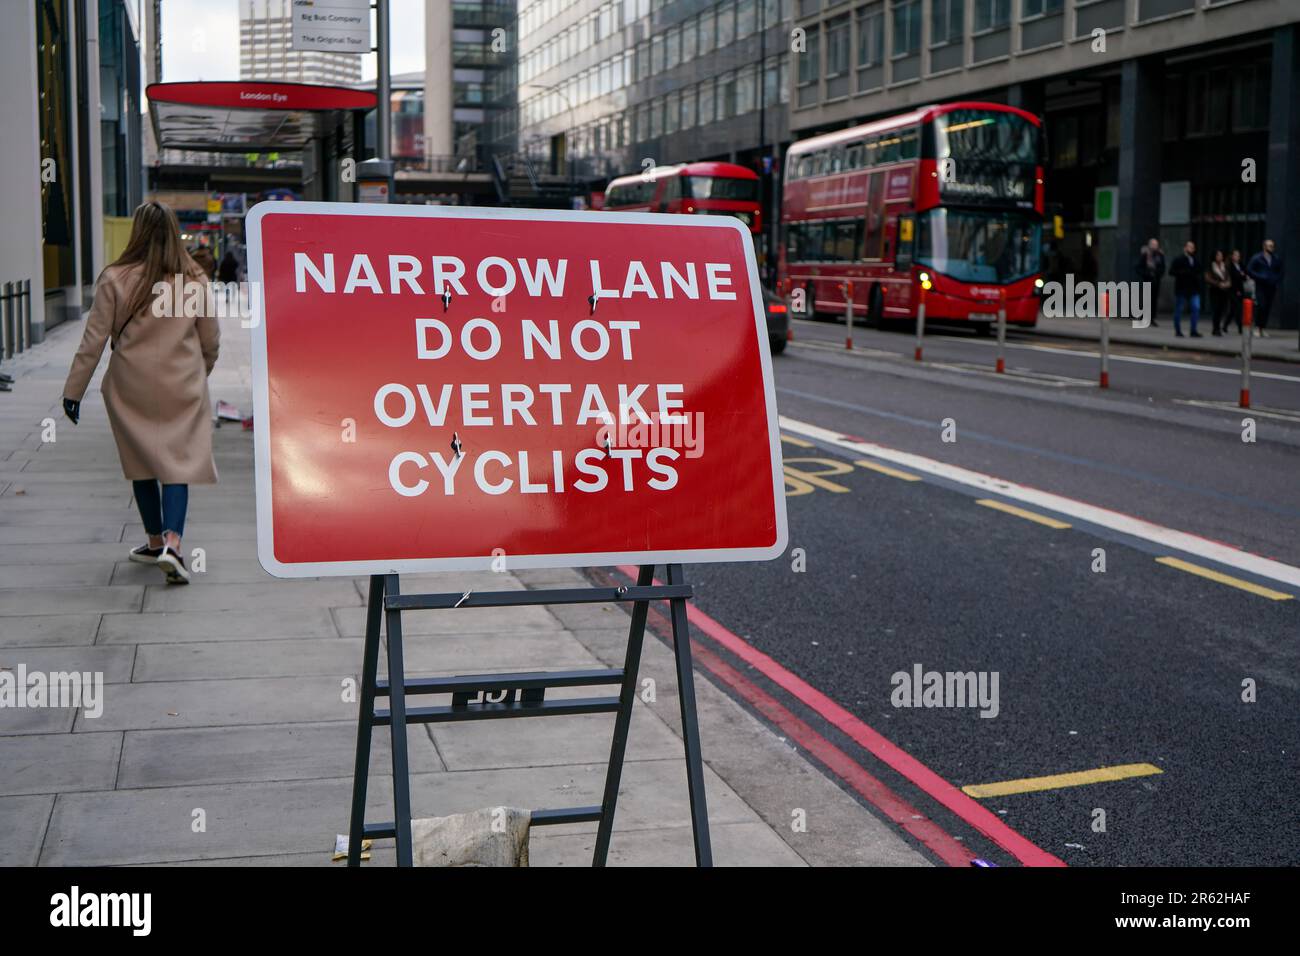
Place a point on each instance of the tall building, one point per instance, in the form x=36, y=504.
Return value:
x=1174, y=119
x=469, y=79
x=266, y=52
x=606, y=84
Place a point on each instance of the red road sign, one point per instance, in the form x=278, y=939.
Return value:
x=441, y=388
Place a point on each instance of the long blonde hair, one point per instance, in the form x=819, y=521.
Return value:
x=156, y=243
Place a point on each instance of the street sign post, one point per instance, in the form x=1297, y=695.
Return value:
x=441, y=388
x=331, y=26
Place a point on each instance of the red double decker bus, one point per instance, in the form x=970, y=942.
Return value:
x=947, y=196
x=717, y=189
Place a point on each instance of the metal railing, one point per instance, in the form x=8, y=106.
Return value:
x=15, y=317
x=441, y=163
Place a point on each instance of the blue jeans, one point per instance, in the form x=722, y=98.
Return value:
x=163, y=511
x=1194, y=301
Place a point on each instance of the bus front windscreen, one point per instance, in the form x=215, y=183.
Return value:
x=721, y=187
x=979, y=246
x=985, y=135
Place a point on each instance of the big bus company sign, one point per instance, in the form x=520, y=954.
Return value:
x=440, y=389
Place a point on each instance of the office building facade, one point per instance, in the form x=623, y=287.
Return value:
x=1174, y=119
x=71, y=148
x=607, y=84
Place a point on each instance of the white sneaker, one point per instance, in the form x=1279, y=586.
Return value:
x=173, y=566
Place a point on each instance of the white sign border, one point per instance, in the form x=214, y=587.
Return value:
x=261, y=399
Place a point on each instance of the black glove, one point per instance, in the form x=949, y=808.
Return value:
x=72, y=409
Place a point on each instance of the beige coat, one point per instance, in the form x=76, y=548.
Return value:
x=156, y=386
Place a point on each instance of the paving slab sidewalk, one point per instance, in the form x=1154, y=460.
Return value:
x=224, y=702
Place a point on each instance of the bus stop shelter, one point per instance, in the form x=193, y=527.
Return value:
x=218, y=127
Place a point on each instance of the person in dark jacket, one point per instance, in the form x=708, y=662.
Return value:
x=1265, y=267
x=1189, y=282
x=1151, y=268
x=228, y=269
x=1237, y=276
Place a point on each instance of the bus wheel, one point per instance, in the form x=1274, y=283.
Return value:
x=876, y=308
x=984, y=329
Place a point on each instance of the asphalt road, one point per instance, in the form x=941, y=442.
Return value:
x=1143, y=663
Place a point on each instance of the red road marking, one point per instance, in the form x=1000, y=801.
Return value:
x=904, y=763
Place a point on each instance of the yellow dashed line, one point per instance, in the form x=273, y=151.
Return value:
x=885, y=470
x=1022, y=513
x=798, y=442
x=1059, y=780
x=1225, y=579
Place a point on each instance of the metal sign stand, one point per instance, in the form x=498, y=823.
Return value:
x=497, y=696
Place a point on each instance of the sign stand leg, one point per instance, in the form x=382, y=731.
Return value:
x=503, y=696
x=365, y=718
x=690, y=723
x=627, y=698
x=397, y=726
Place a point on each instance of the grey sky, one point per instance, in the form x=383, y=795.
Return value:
x=201, y=39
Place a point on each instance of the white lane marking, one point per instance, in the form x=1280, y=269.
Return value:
x=1102, y=517
x=1191, y=366
x=1017, y=374
x=1234, y=407
x=1082, y=353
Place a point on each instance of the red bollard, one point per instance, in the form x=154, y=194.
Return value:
x=1105, y=341
x=1002, y=331
x=847, y=288
x=1247, y=321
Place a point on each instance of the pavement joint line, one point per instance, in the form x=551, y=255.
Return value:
x=1058, y=781
x=886, y=470
x=1022, y=513
x=1227, y=579
x=1129, y=525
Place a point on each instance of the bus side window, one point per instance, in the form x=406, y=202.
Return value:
x=859, y=251
x=910, y=146
x=813, y=241
x=794, y=242
x=844, y=243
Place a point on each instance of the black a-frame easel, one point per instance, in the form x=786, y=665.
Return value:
x=495, y=696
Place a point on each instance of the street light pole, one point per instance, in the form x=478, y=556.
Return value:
x=384, y=108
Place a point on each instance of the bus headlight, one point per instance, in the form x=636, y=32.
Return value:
x=925, y=277
x=925, y=284
x=1038, y=283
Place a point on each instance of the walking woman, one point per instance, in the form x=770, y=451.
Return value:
x=1219, y=283
x=155, y=389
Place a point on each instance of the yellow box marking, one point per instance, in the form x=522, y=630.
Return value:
x=1059, y=780
x=798, y=442
x=1226, y=579
x=886, y=470
x=803, y=476
x=1022, y=513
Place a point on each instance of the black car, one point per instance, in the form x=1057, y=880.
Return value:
x=778, y=320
